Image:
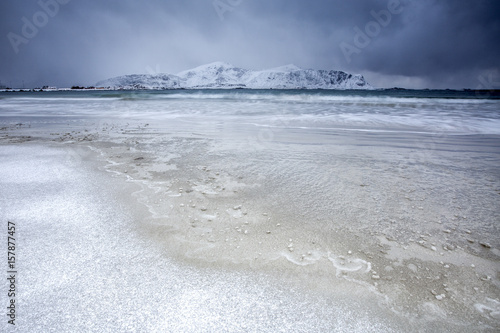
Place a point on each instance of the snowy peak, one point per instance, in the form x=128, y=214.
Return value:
x=306, y=79
x=214, y=75
x=142, y=81
x=221, y=75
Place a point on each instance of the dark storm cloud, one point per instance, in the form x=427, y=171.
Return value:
x=424, y=43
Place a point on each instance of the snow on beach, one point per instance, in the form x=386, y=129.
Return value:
x=86, y=266
x=349, y=214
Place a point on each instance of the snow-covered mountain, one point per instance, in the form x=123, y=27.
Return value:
x=142, y=81
x=220, y=75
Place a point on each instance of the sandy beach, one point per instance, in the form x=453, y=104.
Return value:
x=87, y=264
x=143, y=222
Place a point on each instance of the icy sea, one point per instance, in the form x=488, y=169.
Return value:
x=252, y=210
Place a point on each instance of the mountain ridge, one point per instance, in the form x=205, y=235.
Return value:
x=221, y=75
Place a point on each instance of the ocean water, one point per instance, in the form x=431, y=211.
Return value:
x=392, y=195
x=421, y=111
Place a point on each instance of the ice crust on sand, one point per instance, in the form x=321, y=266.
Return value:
x=398, y=215
x=216, y=222
x=86, y=263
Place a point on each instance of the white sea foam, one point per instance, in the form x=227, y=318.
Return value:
x=300, y=110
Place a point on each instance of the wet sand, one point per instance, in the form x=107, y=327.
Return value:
x=400, y=228
x=86, y=264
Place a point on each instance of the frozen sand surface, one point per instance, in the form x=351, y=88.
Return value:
x=393, y=205
x=414, y=232
x=83, y=265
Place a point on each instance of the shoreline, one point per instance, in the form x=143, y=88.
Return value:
x=315, y=269
x=286, y=190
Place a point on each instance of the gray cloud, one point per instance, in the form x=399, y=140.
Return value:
x=427, y=43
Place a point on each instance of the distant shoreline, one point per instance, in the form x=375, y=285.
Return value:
x=469, y=93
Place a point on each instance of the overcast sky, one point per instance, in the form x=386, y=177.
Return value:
x=406, y=43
